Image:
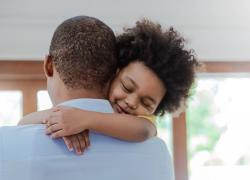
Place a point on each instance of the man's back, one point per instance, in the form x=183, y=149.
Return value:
x=30, y=154
x=27, y=153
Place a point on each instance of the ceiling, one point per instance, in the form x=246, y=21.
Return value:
x=216, y=30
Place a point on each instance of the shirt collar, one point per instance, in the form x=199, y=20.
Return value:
x=98, y=105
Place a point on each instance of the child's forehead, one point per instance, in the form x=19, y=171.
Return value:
x=134, y=67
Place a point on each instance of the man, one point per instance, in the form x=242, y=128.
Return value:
x=81, y=62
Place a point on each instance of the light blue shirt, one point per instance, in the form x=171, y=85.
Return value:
x=26, y=153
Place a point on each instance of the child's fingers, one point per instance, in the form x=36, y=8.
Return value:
x=57, y=134
x=86, y=138
x=53, y=119
x=68, y=143
x=81, y=141
x=53, y=128
x=76, y=144
x=45, y=121
x=55, y=109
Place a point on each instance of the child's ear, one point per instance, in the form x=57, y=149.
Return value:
x=48, y=66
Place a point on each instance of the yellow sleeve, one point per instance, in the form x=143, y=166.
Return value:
x=151, y=118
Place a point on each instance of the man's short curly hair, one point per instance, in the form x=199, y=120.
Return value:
x=164, y=53
x=83, y=51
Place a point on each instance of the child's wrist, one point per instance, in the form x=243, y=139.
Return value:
x=86, y=120
x=91, y=121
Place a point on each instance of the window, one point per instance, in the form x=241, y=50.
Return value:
x=19, y=83
x=11, y=107
x=43, y=100
x=218, y=128
x=193, y=142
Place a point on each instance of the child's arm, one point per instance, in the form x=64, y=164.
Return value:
x=123, y=126
x=78, y=142
x=66, y=121
x=35, y=117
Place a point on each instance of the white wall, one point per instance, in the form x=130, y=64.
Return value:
x=216, y=29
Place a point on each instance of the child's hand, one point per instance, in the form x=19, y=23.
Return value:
x=65, y=121
x=78, y=142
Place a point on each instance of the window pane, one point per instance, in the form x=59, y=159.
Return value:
x=218, y=126
x=11, y=107
x=43, y=100
x=164, y=131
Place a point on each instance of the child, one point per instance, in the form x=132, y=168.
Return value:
x=155, y=75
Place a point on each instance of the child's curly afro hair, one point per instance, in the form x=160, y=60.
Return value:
x=164, y=53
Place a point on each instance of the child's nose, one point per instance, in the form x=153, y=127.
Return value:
x=132, y=102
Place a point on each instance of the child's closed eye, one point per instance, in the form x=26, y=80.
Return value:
x=126, y=88
x=147, y=105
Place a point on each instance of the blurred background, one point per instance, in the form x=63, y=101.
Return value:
x=210, y=139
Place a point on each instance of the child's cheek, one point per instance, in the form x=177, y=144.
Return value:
x=119, y=94
x=114, y=95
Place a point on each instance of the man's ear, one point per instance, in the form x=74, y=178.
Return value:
x=48, y=66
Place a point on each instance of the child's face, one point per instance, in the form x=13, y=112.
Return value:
x=136, y=90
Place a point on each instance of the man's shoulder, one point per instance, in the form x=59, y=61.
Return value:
x=5, y=130
x=21, y=138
